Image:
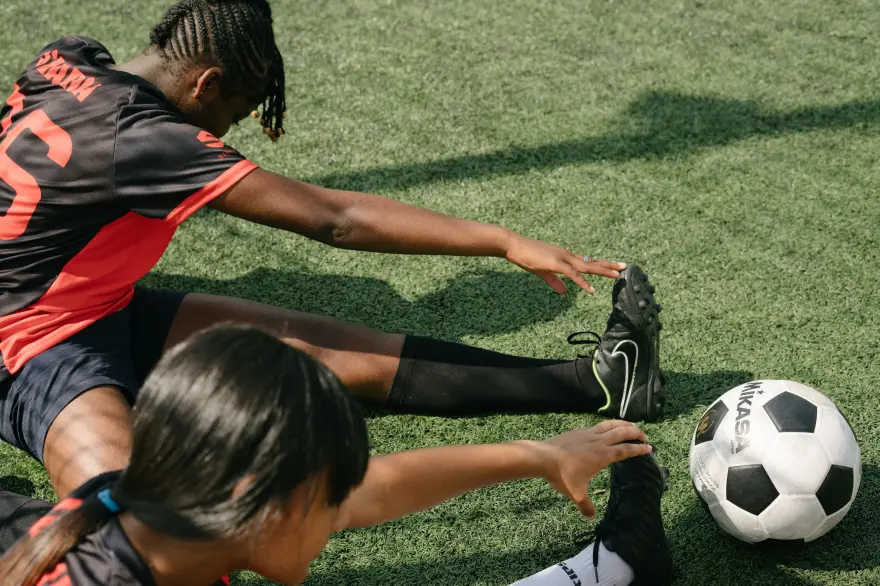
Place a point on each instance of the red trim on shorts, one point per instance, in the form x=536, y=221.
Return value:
x=100, y=279
x=57, y=577
x=67, y=504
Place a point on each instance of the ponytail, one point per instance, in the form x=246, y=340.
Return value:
x=51, y=538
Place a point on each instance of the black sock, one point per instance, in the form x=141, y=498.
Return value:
x=445, y=378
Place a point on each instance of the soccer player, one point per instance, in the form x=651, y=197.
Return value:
x=101, y=162
x=247, y=454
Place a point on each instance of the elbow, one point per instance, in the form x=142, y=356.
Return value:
x=341, y=231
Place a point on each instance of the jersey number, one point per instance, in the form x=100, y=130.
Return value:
x=27, y=191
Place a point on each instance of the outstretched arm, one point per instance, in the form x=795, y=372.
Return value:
x=359, y=221
x=408, y=482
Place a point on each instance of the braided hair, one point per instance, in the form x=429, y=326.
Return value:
x=238, y=34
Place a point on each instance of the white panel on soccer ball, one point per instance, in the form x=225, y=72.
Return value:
x=797, y=463
x=737, y=522
x=829, y=524
x=708, y=472
x=792, y=517
x=747, y=434
x=808, y=393
x=837, y=438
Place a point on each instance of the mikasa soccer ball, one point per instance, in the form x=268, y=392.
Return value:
x=775, y=459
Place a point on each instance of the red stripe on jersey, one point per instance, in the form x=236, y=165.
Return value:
x=211, y=191
x=57, y=577
x=225, y=580
x=100, y=279
x=16, y=102
x=67, y=504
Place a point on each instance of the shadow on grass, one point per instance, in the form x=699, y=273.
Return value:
x=658, y=124
x=487, y=303
x=18, y=485
x=684, y=390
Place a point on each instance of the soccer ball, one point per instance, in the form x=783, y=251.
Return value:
x=775, y=459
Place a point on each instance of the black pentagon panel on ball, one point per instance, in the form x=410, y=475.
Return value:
x=710, y=422
x=790, y=413
x=750, y=488
x=836, y=489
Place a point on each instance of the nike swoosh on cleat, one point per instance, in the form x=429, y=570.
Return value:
x=629, y=381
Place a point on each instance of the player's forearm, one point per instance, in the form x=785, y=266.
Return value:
x=359, y=221
x=379, y=224
x=407, y=482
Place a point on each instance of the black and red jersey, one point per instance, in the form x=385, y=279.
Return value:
x=97, y=171
x=103, y=558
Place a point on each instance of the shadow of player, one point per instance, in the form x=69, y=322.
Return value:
x=485, y=303
x=657, y=124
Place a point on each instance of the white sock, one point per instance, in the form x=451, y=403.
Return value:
x=579, y=571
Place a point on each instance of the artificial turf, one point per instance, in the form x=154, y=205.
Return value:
x=728, y=147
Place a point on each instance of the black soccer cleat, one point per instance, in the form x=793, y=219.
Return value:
x=633, y=526
x=626, y=362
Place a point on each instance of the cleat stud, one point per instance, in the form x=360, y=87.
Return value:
x=643, y=304
x=659, y=326
x=652, y=288
x=659, y=308
x=637, y=289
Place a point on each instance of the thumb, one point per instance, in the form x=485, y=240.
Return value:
x=587, y=508
x=582, y=499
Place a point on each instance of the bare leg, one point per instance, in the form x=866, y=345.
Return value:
x=364, y=359
x=92, y=435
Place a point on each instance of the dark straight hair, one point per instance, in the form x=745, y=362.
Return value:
x=233, y=402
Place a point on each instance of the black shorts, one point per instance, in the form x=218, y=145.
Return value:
x=118, y=350
x=18, y=513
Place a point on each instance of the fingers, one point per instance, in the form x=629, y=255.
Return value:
x=624, y=433
x=602, y=268
x=609, y=264
x=625, y=451
x=579, y=280
x=610, y=424
x=586, y=507
x=580, y=497
x=553, y=281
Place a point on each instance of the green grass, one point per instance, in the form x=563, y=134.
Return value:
x=728, y=147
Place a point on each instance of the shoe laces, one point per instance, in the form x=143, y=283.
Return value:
x=604, y=527
x=594, y=340
x=601, y=530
